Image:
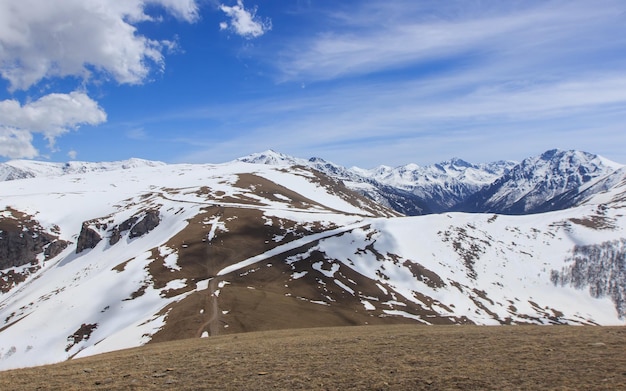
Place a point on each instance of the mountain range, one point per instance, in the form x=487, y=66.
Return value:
x=551, y=181
x=97, y=257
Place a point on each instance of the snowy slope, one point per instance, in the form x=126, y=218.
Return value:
x=105, y=293
x=156, y=253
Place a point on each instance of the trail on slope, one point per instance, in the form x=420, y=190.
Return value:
x=213, y=312
x=212, y=323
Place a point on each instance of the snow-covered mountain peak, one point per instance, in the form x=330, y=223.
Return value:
x=318, y=160
x=576, y=166
x=455, y=164
x=541, y=183
x=271, y=157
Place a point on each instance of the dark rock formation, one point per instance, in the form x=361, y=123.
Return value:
x=148, y=223
x=137, y=228
x=116, y=232
x=55, y=248
x=115, y=235
x=21, y=246
x=88, y=238
x=22, y=239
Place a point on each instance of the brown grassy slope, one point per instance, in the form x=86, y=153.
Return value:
x=359, y=358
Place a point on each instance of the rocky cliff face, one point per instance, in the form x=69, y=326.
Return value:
x=92, y=231
x=24, y=245
x=22, y=240
x=88, y=238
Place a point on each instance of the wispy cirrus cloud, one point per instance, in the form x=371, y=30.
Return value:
x=477, y=75
x=419, y=120
x=380, y=37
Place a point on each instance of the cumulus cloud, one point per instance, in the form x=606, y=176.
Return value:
x=94, y=40
x=45, y=39
x=16, y=144
x=51, y=116
x=244, y=22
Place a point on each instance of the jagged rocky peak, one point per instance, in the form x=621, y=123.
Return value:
x=540, y=183
x=455, y=163
x=571, y=167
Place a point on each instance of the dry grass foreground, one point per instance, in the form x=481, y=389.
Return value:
x=355, y=358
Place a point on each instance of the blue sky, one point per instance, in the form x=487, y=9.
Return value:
x=360, y=83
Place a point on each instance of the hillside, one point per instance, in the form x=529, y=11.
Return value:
x=110, y=259
x=354, y=358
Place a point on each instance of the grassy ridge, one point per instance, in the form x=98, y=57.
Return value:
x=400, y=357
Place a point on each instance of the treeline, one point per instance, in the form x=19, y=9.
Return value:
x=601, y=268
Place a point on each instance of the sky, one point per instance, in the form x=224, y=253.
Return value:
x=356, y=82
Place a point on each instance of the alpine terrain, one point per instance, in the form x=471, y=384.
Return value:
x=96, y=257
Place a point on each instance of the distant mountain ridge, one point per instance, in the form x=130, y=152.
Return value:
x=553, y=180
x=22, y=169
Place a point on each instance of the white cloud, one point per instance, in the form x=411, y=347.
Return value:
x=46, y=39
x=16, y=144
x=51, y=116
x=90, y=40
x=244, y=22
x=72, y=154
x=183, y=9
x=404, y=121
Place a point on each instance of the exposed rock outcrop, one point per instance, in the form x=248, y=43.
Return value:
x=19, y=248
x=88, y=238
x=137, y=228
x=22, y=239
x=150, y=221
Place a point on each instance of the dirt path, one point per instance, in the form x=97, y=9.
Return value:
x=212, y=312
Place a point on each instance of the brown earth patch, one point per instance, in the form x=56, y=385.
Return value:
x=246, y=235
x=595, y=222
x=355, y=358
